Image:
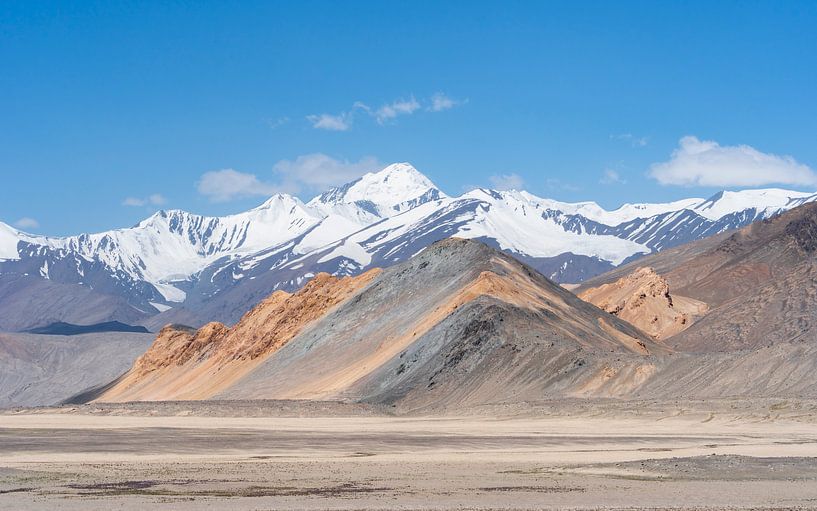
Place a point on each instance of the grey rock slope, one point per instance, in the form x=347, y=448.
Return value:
x=40, y=370
x=458, y=324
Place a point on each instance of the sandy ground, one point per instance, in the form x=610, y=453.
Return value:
x=599, y=455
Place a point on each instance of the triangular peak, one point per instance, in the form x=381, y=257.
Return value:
x=391, y=190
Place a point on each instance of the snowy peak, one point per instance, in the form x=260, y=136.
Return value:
x=394, y=189
x=9, y=238
x=282, y=201
x=766, y=201
x=587, y=209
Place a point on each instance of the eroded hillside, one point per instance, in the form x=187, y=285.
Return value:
x=196, y=364
x=643, y=299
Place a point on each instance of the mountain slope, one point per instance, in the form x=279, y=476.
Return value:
x=760, y=284
x=196, y=364
x=40, y=370
x=27, y=301
x=61, y=328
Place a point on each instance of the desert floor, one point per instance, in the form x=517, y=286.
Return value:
x=585, y=455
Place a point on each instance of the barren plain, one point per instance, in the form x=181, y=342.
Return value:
x=582, y=454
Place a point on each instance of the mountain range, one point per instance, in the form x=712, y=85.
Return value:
x=178, y=267
x=462, y=325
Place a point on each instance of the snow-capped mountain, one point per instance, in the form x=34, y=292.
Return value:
x=395, y=189
x=184, y=267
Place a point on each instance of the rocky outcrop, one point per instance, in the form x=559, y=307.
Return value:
x=643, y=299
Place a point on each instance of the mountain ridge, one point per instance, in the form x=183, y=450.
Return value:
x=174, y=262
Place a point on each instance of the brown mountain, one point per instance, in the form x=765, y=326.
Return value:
x=759, y=283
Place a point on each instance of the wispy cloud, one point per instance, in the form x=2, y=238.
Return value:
x=610, y=177
x=331, y=122
x=383, y=114
x=400, y=107
x=27, y=223
x=633, y=140
x=307, y=173
x=698, y=162
x=155, y=199
x=440, y=102
x=507, y=181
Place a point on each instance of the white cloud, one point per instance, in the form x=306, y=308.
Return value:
x=318, y=171
x=360, y=105
x=706, y=163
x=399, y=107
x=331, y=122
x=632, y=139
x=155, y=199
x=343, y=122
x=228, y=184
x=310, y=172
x=610, y=177
x=440, y=102
x=507, y=181
x=27, y=223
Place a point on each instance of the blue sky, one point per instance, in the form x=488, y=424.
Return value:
x=111, y=110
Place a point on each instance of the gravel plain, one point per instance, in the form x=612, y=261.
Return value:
x=289, y=455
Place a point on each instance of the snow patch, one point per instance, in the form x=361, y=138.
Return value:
x=350, y=250
x=171, y=294
x=44, y=270
x=160, y=306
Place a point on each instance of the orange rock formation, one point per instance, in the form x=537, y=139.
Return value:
x=184, y=364
x=643, y=299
